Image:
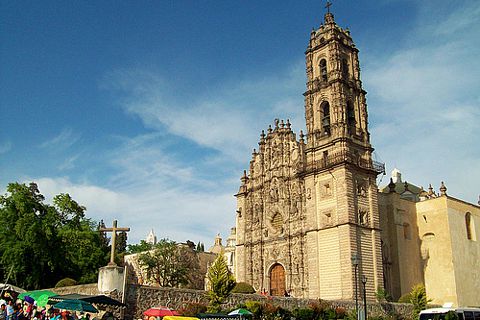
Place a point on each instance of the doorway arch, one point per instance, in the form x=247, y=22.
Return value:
x=277, y=280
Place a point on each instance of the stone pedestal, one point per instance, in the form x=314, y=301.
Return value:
x=111, y=278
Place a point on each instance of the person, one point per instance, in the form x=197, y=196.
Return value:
x=3, y=312
x=9, y=310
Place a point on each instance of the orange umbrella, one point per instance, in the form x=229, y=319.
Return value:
x=160, y=312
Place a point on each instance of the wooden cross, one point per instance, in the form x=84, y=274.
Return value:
x=113, y=230
x=328, y=5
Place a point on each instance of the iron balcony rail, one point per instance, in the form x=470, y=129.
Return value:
x=344, y=157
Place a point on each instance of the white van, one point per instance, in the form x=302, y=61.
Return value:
x=467, y=313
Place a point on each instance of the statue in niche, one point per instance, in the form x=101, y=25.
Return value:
x=361, y=189
x=257, y=167
x=295, y=154
x=309, y=193
x=282, y=193
x=277, y=155
x=362, y=217
x=274, y=194
x=274, y=190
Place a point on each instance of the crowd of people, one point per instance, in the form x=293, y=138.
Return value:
x=23, y=310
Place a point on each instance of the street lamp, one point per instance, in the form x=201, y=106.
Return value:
x=364, y=282
x=355, y=265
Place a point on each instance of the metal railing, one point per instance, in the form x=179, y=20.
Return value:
x=344, y=157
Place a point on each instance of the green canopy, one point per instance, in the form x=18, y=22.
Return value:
x=98, y=300
x=75, y=305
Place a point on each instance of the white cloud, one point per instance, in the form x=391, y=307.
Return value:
x=66, y=138
x=174, y=214
x=229, y=122
x=68, y=163
x=425, y=103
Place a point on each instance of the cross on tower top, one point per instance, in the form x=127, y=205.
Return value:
x=328, y=5
x=113, y=230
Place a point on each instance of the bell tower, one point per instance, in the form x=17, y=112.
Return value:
x=339, y=173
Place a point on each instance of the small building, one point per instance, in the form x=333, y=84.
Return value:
x=431, y=238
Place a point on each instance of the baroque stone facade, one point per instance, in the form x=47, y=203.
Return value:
x=311, y=221
x=307, y=206
x=271, y=212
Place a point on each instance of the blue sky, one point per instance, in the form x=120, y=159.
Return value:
x=147, y=111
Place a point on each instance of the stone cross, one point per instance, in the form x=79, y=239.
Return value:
x=113, y=230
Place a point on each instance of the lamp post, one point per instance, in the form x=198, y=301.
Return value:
x=355, y=265
x=364, y=282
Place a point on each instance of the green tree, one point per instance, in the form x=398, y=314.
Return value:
x=83, y=250
x=243, y=287
x=140, y=247
x=220, y=282
x=168, y=264
x=41, y=241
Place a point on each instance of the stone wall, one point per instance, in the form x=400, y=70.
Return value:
x=88, y=289
x=140, y=298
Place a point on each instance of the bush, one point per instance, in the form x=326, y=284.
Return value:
x=254, y=307
x=405, y=298
x=285, y=314
x=418, y=297
x=66, y=282
x=269, y=311
x=340, y=312
x=382, y=295
x=243, y=287
x=304, y=314
x=191, y=309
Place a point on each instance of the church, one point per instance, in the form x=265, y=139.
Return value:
x=311, y=221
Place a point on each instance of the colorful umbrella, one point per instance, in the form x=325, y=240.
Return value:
x=160, y=312
x=36, y=294
x=40, y=296
x=28, y=299
x=76, y=305
x=240, y=312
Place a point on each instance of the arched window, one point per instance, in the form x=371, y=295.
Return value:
x=350, y=118
x=325, y=107
x=468, y=225
x=345, y=68
x=323, y=70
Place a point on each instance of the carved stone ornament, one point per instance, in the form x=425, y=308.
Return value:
x=363, y=217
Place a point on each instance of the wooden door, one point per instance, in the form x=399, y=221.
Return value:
x=277, y=280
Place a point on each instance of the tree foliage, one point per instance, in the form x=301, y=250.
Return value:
x=220, y=282
x=140, y=247
x=169, y=264
x=44, y=243
x=418, y=297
